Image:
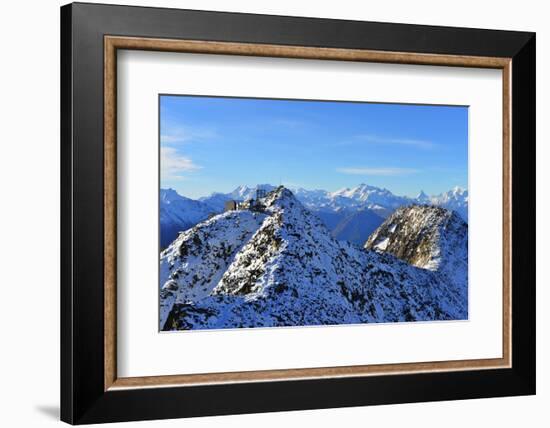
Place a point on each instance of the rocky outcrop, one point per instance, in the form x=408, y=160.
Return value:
x=428, y=237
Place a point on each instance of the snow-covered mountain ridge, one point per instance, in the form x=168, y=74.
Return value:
x=282, y=267
x=350, y=214
x=178, y=213
x=381, y=201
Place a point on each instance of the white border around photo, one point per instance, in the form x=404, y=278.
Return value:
x=143, y=351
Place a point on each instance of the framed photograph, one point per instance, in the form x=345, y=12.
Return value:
x=265, y=213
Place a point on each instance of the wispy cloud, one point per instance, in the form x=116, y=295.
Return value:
x=184, y=134
x=378, y=171
x=405, y=142
x=170, y=138
x=289, y=123
x=174, y=166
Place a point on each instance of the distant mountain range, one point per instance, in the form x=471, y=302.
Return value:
x=178, y=213
x=350, y=214
x=282, y=266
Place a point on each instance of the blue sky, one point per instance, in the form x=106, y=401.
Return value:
x=211, y=144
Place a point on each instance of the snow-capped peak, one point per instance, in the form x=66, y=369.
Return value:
x=244, y=192
x=280, y=196
x=455, y=199
x=457, y=190
x=169, y=195
x=423, y=198
x=178, y=213
x=381, y=200
x=360, y=192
